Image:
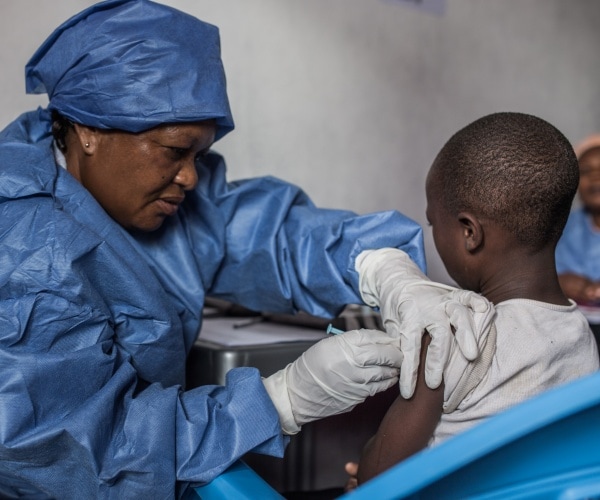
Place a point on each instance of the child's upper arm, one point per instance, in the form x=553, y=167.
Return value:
x=406, y=428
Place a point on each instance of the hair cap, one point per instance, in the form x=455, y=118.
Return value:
x=132, y=65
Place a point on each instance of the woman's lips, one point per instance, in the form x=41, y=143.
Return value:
x=169, y=206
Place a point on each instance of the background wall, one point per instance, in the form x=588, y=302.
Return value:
x=352, y=99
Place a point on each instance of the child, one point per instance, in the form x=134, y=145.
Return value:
x=498, y=197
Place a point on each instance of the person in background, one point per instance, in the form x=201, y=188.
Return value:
x=117, y=220
x=498, y=196
x=578, y=251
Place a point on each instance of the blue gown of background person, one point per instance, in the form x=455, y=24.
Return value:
x=578, y=250
x=95, y=324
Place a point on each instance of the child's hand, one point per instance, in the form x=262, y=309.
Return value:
x=352, y=471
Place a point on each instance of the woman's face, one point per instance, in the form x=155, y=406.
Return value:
x=589, y=179
x=140, y=179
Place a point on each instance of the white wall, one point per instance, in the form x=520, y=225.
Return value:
x=352, y=99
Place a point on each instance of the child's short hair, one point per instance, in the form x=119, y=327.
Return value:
x=515, y=169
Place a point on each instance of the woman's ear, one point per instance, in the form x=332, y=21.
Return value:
x=472, y=231
x=86, y=137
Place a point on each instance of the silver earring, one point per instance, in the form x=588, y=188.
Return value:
x=87, y=144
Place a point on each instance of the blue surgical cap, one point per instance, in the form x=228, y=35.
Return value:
x=132, y=65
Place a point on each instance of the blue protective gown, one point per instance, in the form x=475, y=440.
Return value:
x=578, y=250
x=95, y=324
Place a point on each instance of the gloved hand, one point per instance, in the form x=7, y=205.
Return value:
x=411, y=303
x=333, y=376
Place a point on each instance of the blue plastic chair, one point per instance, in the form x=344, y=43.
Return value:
x=546, y=447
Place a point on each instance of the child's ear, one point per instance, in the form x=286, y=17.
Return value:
x=472, y=231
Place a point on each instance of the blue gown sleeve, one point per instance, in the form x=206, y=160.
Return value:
x=284, y=254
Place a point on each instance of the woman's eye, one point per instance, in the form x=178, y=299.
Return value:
x=201, y=156
x=178, y=153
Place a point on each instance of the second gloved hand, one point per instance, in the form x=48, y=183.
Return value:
x=410, y=304
x=333, y=376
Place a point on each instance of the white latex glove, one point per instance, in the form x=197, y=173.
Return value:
x=333, y=376
x=411, y=303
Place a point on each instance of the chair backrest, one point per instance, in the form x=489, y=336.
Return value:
x=546, y=447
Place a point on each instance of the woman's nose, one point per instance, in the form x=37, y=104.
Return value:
x=187, y=177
